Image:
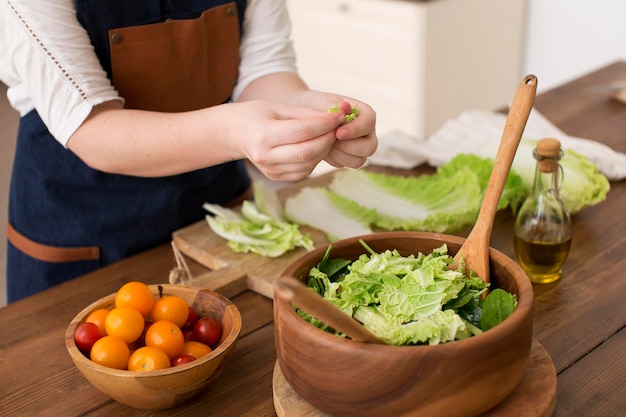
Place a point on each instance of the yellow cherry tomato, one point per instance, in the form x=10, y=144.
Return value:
x=167, y=336
x=125, y=323
x=98, y=317
x=110, y=351
x=148, y=358
x=136, y=295
x=196, y=349
x=172, y=308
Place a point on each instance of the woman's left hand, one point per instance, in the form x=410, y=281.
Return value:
x=356, y=140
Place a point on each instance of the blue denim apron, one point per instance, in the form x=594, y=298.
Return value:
x=77, y=218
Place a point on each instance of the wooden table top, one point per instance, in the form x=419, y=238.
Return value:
x=579, y=320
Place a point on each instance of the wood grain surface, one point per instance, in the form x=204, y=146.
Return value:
x=579, y=320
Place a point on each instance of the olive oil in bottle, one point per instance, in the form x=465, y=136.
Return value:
x=543, y=231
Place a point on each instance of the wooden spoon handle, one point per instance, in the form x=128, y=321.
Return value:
x=303, y=297
x=476, y=248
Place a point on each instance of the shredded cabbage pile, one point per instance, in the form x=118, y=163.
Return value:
x=407, y=300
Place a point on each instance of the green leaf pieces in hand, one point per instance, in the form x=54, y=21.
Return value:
x=349, y=117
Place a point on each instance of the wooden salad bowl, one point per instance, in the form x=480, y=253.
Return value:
x=165, y=388
x=462, y=378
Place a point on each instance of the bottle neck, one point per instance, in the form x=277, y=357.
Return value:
x=547, y=176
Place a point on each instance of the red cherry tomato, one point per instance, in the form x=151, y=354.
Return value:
x=188, y=334
x=182, y=359
x=208, y=331
x=142, y=339
x=192, y=319
x=85, y=335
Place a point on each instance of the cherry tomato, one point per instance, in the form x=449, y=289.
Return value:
x=182, y=359
x=125, y=323
x=110, y=351
x=85, y=335
x=188, y=335
x=141, y=341
x=167, y=336
x=196, y=349
x=98, y=317
x=136, y=295
x=192, y=318
x=148, y=358
x=208, y=331
x=172, y=308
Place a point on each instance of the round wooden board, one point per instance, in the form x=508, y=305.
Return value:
x=535, y=396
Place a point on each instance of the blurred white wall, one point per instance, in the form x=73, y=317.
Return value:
x=569, y=38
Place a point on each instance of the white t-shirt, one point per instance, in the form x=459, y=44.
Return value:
x=48, y=62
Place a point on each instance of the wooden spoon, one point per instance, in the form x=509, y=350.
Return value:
x=475, y=250
x=303, y=297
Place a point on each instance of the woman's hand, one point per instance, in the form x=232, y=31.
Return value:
x=352, y=143
x=287, y=142
x=356, y=140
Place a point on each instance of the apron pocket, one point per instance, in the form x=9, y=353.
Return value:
x=177, y=65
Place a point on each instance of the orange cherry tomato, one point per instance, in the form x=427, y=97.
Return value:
x=136, y=295
x=148, y=358
x=172, y=308
x=98, y=317
x=167, y=336
x=110, y=351
x=125, y=323
x=196, y=349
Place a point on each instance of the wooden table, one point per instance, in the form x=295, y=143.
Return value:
x=579, y=320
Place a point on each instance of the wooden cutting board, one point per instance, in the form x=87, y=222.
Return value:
x=535, y=396
x=231, y=272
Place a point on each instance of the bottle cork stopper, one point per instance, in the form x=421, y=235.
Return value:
x=550, y=149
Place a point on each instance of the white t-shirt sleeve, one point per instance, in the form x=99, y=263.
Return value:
x=266, y=45
x=48, y=63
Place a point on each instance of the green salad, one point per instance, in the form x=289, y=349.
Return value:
x=409, y=300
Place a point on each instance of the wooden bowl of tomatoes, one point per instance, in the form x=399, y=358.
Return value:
x=459, y=378
x=154, y=347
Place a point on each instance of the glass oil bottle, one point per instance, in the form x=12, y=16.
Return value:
x=543, y=230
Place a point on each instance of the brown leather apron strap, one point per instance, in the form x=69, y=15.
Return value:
x=50, y=253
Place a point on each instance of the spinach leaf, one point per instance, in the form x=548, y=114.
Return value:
x=335, y=268
x=498, y=305
x=471, y=313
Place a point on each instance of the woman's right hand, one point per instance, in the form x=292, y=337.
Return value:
x=284, y=142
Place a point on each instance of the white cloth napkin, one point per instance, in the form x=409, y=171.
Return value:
x=479, y=132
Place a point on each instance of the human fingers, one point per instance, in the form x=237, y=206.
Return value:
x=289, y=151
x=353, y=163
x=362, y=125
x=295, y=160
x=298, y=124
x=271, y=126
x=339, y=159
